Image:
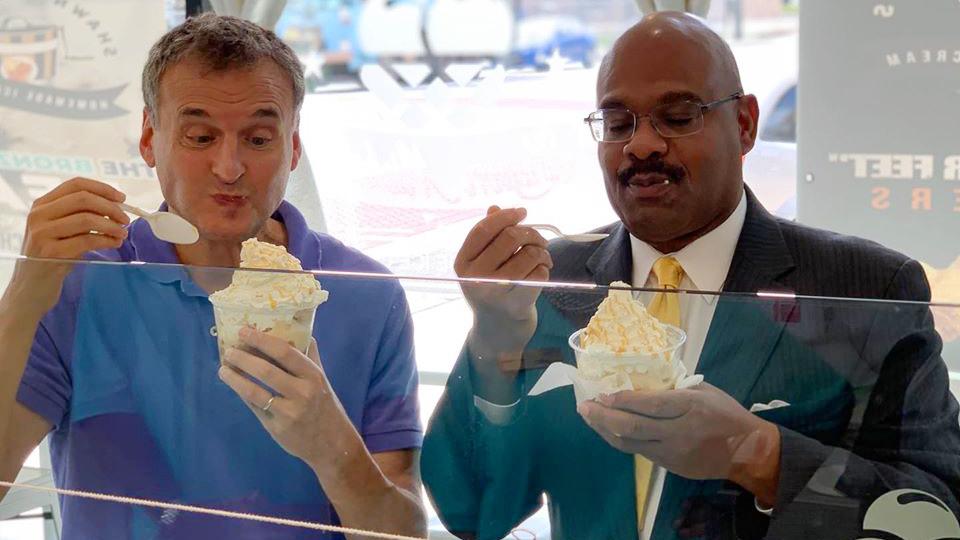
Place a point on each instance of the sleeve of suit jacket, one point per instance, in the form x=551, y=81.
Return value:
x=480, y=473
x=907, y=438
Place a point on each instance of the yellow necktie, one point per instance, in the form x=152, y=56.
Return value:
x=665, y=306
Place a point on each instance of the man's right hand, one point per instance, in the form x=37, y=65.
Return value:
x=498, y=247
x=61, y=225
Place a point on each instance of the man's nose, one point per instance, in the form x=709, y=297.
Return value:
x=227, y=165
x=645, y=142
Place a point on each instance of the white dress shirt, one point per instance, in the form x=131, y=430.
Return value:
x=705, y=262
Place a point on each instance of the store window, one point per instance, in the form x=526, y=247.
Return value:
x=421, y=114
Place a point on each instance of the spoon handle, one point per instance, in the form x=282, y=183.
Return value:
x=544, y=227
x=583, y=237
x=133, y=210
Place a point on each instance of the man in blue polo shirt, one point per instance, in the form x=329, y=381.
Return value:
x=120, y=362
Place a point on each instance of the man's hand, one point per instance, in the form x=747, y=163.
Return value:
x=698, y=433
x=78, y=216
x=305, y=416
x=498, y=247
x=379, y=492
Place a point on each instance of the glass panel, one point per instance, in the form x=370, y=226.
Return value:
x=782, y=126
x=847, y=400
x=411, y=144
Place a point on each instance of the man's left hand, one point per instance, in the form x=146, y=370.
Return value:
x=698, y=433
x=304, y=417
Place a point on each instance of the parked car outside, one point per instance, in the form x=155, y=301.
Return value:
x=539, y=38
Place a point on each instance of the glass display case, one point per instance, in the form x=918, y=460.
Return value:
x=150, y=439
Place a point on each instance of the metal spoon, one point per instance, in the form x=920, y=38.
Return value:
x=581, y=237
x=166, y=226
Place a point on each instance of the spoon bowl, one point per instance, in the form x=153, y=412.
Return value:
x=166, y=226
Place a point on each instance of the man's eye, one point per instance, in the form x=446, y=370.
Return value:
x=678, y=119
x=259, y=141
x=618, y=127
x=200, y=139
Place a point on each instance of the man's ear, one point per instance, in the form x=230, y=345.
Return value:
x=146, y=140
x=297, y=149
x=748, y=120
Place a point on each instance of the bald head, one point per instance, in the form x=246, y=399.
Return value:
x=677, y=40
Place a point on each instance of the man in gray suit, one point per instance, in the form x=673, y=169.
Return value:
x=870, y=408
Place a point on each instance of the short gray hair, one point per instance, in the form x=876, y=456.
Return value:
x=220, y=43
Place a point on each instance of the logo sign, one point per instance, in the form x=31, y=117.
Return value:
x=70, y=101
x=907, y=514
x=880, y=82
x=28, y=63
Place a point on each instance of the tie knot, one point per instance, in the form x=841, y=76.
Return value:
x=668, y=272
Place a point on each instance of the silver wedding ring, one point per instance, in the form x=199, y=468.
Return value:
x=266, y=406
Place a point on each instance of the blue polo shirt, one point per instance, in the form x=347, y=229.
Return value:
x=125, y=369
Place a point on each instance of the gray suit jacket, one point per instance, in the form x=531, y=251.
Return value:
x=870, y=407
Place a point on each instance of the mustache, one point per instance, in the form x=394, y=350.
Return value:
x=651, y=166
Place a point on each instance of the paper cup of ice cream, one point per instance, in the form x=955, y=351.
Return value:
x=269, y=293
x=652, y=369
x=624, y=347
x=293, y=325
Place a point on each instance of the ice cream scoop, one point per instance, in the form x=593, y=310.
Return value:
x=260, y=289
x=625, y=347
x=622, y=324
x=269, y=292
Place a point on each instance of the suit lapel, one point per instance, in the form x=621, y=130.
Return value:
x=742, y=335
x=610, y=261
x=613, y=260
x=740, y=342
x=761, y=259
x=745, y=330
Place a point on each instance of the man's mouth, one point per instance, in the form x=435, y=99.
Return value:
x=229, y=200
x=648, y=180
x=649, y=186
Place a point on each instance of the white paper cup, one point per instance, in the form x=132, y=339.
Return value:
x=631, y=371
x=293, y=325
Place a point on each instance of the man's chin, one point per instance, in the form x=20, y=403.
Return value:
x=654, y=227
x=226, y=234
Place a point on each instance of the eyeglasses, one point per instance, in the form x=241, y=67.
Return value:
x=671, y=120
